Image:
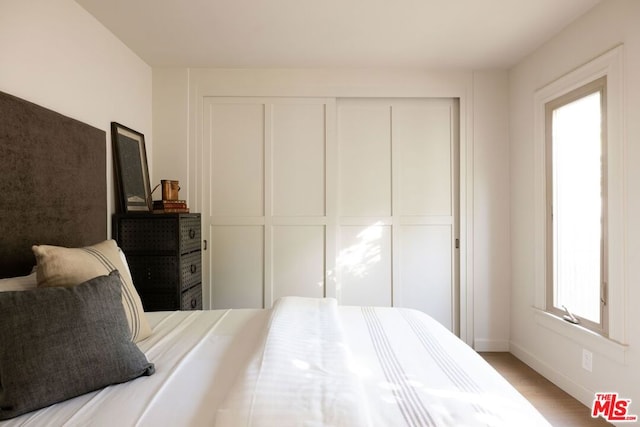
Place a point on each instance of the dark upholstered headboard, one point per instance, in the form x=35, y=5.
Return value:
x=52, y=183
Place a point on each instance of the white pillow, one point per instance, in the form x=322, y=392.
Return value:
x=19, y=283
x=59, y=266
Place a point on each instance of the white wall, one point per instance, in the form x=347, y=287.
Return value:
x=492, y=254
x=55, y=54
x=178, y=95
x=171, y=127
x=558, y=357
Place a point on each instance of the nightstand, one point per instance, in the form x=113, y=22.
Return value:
x=165, y=258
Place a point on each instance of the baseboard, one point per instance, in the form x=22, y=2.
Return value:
x=577, y=391
x=481, y=345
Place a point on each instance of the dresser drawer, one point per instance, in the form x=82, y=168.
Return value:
x=160, y=301
x=144, y=235
x=154, y=272
x=190, y=269
x=179, y=233
x=190, y=234
x=192, y=298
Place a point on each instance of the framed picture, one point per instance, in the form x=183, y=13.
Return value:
x=131, y=170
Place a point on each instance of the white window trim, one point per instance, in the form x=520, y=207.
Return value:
x=610, y=64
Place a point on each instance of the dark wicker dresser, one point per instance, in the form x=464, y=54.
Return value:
x=164, y=256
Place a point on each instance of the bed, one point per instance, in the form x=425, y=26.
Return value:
x=305, y=362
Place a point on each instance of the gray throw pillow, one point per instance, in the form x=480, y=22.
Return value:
x=58, y=343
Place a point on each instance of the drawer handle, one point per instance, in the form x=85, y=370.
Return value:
x=192, y=233
x=194, y=303
x=194, y=268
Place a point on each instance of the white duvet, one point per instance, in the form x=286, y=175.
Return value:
x=302, y=373
x=307, y=362
x=324, y=365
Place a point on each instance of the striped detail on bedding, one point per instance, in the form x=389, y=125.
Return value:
x=128, y=300
x=454, y=372
x=411, y=406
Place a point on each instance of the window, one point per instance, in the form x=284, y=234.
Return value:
x=576, y=193
x=580, y=88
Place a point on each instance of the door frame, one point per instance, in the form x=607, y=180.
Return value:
x=346, y=84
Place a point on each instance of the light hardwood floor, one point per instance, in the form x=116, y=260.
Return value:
x=558, y=407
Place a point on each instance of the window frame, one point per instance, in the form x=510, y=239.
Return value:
x=609, y=64
x=598, y=85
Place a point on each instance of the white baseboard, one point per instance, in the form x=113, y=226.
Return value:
x=576, y=390
x=480, y=345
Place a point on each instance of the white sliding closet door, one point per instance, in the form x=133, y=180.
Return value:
x=355, y=199
x=265, y=199
x=397, y=204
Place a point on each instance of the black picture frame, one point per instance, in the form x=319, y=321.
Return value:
x=131, y=169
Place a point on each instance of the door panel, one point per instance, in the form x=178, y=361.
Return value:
x=265, y=199
x=364, y=262
x=298, y=261
x=397, y=167
x=237, y=159
x=425, y=272
x=422, y=135
x=237, y=266
x=298, y=160
x=364, y=134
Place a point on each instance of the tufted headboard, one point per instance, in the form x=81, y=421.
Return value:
x=52, y=183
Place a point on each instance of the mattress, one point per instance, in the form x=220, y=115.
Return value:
x=306, y=362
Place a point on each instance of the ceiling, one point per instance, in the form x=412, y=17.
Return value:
x=442, y=34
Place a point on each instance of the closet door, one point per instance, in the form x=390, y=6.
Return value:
x=355, y=200
x=397, y=204
x=265, y=199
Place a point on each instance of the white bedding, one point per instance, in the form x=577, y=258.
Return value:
x=302, y=372
x=333, y=365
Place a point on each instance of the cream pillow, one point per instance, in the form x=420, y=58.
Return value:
x=20, y=283
x=59, y=266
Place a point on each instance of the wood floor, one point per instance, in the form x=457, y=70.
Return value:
x=558, y=407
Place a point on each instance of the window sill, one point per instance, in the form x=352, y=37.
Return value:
x=582, y=336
